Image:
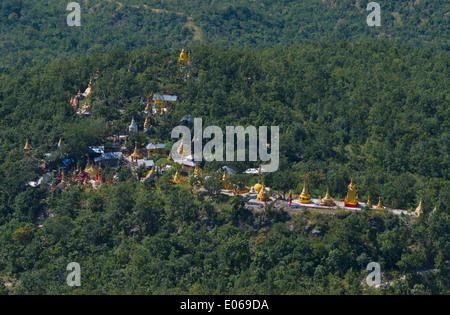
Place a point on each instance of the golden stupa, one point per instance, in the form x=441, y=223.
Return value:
x=181, y=148
x=351, y=200
x=419, y=210
x=27, y=146
x=379, y=206
x=89, y=89
x=304, y=196
x=63, y=178
x=327, y=200
x=176, y=178
x=263, y=195
x=225, y=181
x=148, y=122
x=148, y=109
x=74, y=175
x=90, y=169
x=136, y=155
x=368, y=203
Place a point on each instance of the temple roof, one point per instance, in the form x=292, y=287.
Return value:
x=167, y=98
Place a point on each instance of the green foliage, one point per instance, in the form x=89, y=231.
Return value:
x=35, y=32
x=376, y=112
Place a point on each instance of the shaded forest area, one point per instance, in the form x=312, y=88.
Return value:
x=36, y=32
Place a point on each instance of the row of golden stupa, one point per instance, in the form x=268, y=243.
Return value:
x=350, y=200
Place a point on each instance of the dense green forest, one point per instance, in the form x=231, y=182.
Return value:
x=377, y=112
x=35, y=32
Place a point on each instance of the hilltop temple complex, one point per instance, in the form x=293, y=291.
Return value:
x=151, y=160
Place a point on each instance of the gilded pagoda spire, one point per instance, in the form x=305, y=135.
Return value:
x=27, y=146
x=379, y=205
x=263, y=195
x=63, y=178
x=87, y=168
x=176, y=178
x=181, y=148
x=327, y=200
x=351, y=200
x=148, y=122
x=148, y=108
x=419, y=209
x=136, y=155
x=258, y=186
x=153, y=170
x=196, y=170
x=304, y=196
x=368, y=203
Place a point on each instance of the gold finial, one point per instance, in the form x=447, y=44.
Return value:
x=304, y=191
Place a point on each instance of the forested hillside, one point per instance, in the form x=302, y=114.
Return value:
x=377, y=112
x=35, y=32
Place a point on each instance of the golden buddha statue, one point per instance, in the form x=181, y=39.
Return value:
x=351, y=200
x=89, y=88
x=304, y=196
